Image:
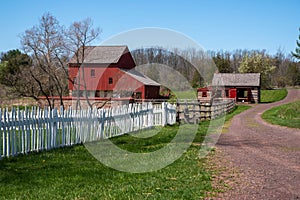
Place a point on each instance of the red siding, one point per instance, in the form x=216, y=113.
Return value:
x=100, y=81
x=120, y=81
x=72, y=70
x=126, y=61
x=104, y=72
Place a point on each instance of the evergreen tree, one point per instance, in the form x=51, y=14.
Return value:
x=296, y=54
x=222, y=61
x=12, y=63
x=293, y=74
x=16, y=75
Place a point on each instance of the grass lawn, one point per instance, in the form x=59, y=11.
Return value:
x=73, y=173
x=284, y=115
x=269, y=96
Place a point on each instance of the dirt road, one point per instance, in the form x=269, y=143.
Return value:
x=267, y=156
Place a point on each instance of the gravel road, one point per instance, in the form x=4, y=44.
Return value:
x=267, y=156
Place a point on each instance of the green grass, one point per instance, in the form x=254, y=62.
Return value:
x=238, y=109
x=73, y=173
x=186, y=94
x=284, y=115
x=269, y=96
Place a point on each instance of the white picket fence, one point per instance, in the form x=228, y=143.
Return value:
x=24, y=131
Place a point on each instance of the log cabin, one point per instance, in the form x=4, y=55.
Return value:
x=243, y=87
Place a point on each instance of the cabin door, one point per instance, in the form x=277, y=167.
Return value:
x=249, y=95
x=232, y=93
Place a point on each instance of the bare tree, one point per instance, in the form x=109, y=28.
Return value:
x=45, y=44
x=50, y=46
x=279, y=77
x=79, y=35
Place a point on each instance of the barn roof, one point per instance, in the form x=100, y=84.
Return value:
x=100, y=54
x=232, y=79
x=140, y=77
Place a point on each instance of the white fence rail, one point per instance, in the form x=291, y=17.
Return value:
x=24, y=131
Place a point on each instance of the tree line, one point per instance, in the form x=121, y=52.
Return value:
x=277, y=70
x=40, y=67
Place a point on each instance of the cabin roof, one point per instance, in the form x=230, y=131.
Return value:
x=236, y=79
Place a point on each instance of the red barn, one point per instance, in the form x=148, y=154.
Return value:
x=108, y=71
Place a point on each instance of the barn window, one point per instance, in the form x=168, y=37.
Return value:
x=110, y=80
x=97, y=93
x=92, y=72
x=74, y=80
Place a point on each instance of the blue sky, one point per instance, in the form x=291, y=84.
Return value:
x=214, y=24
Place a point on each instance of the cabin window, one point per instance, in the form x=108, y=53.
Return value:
x=92, y=72
x=204, y=94
x=110, y=80
x=227, y=93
